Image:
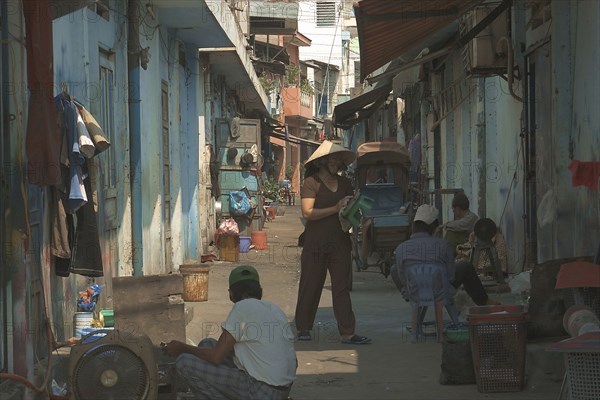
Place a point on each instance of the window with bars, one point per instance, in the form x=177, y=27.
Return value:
x=107, y=115
x=326, y=14
x=356, y=73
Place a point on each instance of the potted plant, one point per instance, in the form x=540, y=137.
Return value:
x=289, y=173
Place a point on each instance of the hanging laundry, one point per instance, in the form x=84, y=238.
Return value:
x=87, y=255
x=75, y=241
x=86, y=145
x=61, y=225
x=93, y=127
x=77, y=196
x=585, y=173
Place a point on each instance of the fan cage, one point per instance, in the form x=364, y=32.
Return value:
x=118, y=357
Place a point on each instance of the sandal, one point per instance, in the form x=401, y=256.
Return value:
x=356, y=340
x=304, y=335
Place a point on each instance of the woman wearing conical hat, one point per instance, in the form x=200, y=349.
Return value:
x=326, y=246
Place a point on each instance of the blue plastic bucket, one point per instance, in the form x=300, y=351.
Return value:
x=245, y=244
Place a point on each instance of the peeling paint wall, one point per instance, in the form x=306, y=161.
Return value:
x=572, y=227
x=16, y=247
x=480, y=146
x=504, y=174
x=81, y=40
x=482, y=150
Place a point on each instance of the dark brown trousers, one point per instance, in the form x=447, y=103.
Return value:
x=315, y=262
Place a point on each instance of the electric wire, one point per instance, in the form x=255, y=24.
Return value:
x=326, y=82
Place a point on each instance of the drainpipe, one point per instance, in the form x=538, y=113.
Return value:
x=509, y=69
x=288, y=150
x=481, y=148
x=135, y=137
x=4, y=184
x=425, y=145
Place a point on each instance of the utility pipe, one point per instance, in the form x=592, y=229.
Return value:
x=135, y=136
x=509, y=68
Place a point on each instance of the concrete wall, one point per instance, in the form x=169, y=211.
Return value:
x=575, y=133
x=481, y=150
x=325, y=40
x=79, y=38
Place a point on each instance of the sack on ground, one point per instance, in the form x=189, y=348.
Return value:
x=457, y=364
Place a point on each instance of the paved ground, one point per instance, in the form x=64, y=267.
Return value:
x=389, y=368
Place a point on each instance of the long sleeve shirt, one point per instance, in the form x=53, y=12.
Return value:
x=464, y=224
x=423, y=248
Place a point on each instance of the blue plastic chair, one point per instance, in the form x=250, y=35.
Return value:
x=425, y=284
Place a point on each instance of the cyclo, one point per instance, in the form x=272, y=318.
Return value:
x=381, y=179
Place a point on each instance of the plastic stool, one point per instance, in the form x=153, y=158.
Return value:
x=420, y=278
x=271, y=213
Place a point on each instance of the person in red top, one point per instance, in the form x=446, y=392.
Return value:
x=326, y=246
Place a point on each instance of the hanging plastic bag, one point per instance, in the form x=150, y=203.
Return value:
x=239, y=204
x=228, y=227
x=88, y=298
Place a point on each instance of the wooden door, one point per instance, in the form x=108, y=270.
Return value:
x=108, y=174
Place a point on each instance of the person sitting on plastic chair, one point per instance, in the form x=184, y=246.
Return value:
x=428, y=285
x=424, y=248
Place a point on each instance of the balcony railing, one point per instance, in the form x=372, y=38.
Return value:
x=297, y=102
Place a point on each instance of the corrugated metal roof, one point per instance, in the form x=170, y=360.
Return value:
x=389, y=28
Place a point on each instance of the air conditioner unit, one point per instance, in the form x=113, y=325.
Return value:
x=479, y=55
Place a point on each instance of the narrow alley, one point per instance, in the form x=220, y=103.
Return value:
x=389, y=368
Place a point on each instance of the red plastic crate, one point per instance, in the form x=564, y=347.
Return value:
x=498, y=338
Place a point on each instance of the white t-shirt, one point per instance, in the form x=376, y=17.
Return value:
x=264, y=345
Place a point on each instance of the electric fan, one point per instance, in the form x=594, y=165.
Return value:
x=114, y=366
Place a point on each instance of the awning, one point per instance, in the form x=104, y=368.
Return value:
x=389, y=28
x=275, y=67
x=294, y=139
x=350, y=112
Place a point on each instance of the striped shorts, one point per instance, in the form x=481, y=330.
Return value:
x=224, y=381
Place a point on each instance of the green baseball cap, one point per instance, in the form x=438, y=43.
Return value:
x=243, y=273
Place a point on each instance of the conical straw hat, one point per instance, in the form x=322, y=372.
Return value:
x=328, y=147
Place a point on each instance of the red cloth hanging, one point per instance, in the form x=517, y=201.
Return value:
x=585, y=173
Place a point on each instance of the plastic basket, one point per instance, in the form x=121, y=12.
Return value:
x=229, y=248
x=583, y=370
x=498, y=338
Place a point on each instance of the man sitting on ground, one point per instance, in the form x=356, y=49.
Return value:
x=254, y=357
